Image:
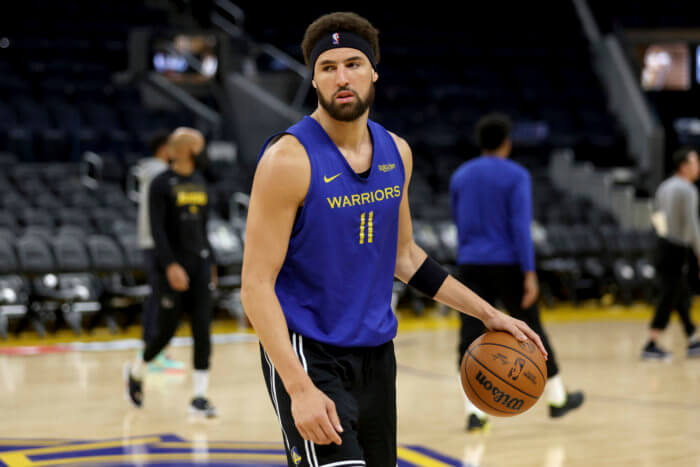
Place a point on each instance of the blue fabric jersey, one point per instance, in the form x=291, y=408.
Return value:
x=492, y=207
x=336, y=282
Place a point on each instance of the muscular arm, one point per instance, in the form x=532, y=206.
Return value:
x=279, y=187
x=281, y=183
x=452, y=293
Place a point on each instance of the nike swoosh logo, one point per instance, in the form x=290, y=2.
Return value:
x=330, y=179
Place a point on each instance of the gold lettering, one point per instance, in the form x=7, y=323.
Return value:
x=370, y=230
x=397, y=191
x=365, y=198
x=346, y=201
x=334, y=202
x=355, y=199
x=377, y=193
x=388, y=192
x=198, y=198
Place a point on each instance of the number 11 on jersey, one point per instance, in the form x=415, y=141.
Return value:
x=369, y=227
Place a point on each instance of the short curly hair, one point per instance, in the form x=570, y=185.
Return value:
x=339, y=21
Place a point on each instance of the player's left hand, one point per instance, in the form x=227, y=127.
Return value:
x=499, y=321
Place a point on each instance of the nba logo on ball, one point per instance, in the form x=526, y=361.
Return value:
x=491, y=373
x=335, y=37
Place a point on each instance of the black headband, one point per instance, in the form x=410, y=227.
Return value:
x=340, y=39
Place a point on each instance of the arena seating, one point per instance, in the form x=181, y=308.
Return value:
x=433, y=88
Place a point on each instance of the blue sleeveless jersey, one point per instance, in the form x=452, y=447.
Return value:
x=336, y=282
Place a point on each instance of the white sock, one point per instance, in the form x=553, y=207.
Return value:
x=470, y=408
x=138, y=367
x=200, y=378
x=555, y=392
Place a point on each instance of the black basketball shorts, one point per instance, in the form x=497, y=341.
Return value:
x=361, y=381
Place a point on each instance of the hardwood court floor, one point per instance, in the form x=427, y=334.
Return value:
x=636, y=413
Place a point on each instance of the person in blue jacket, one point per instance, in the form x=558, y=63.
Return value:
x=492, y=208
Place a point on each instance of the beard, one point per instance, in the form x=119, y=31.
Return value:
x=346, y=112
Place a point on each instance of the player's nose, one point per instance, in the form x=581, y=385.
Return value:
x=341, y=77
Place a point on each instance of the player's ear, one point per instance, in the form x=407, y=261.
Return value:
x=313, y=83
x=375, y=76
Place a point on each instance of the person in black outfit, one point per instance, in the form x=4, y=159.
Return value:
x=184, y=261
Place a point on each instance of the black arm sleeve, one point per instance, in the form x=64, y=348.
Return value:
x=157, y=208
x=429, y=277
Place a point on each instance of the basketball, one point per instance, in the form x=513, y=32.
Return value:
x=502, y=376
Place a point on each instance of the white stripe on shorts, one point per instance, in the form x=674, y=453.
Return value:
x=346, y=463
x=274, y=396
x=298, y=344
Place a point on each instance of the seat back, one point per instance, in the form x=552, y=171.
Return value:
x=8, y=221
x=75, y=217
x=132, y=251
x=45, y=233
x=8, y=257
x=105, y=254
x=35, y=255
x=71, y=254
x=30, y=216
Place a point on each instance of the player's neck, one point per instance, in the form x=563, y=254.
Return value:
x=184, y=167
x=347, y=135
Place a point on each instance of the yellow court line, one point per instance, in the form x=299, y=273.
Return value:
x=144, y=457
x=85, y=446
x=419, y=459
x=15, y=460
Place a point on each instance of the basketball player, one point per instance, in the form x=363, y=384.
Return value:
x=148, y=169
x=178, y=217
x=492, y=207
x=677, y=199
x=328, y=229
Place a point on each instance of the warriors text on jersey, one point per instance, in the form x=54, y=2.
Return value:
x=336, y=282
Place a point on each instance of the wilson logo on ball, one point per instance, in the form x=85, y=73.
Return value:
x=498, y=395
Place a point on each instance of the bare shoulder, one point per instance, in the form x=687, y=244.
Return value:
x=286, y=152
x=284, y=168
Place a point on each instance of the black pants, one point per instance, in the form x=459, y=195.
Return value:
x=149, y=314
x=172, y=304
x=362, y=384
x=672, y=268
x=502, y=283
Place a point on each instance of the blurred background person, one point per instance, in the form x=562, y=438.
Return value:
x=492, y=208
x=148, y=169
x=676, y=202
x=186, y=273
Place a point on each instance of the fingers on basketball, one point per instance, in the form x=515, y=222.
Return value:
x=501, y=375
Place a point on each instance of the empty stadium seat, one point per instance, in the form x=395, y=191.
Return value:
x=110, y=265
x=14, y=296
